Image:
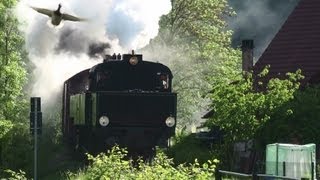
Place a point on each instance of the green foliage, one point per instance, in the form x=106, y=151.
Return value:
x=296, y=121
x=195, y=21
x=16, y=143
x=186, y=148
x=240, y=110
x=20, y=175
x=12, y=72
x=5, y=127
x=243, y=112
x=113, y=165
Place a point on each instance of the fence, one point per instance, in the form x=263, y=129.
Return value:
x=234, y=175
x=273, y=170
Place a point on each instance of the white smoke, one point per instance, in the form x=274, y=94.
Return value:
x=59, y=53
x=136, y=21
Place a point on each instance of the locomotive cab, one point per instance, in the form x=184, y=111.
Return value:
x=131, y=73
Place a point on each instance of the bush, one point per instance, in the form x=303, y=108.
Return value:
x=16, y=149
x=114, y=165
x=12, y=175
x=5, y=127
x=186, y=148
x=295, y=121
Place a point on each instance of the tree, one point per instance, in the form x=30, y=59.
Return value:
x=193, y=39
x=12, y=80
x=296, y=121
x=5, y=127
x=12, y=72
x=240, y=110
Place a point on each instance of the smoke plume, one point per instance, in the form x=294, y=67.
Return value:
x=258, y=20
x=60, y=52
x=98, y=49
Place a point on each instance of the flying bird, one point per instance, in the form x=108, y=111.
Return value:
x=56, y=16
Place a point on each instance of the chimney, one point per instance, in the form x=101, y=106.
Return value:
x=247, y=55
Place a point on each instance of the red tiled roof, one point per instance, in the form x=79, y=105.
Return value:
x=296, y=45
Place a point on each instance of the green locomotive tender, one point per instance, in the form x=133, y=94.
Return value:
x=128, y=102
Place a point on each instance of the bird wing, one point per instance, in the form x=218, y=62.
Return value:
x=69, y=17
x=43, y=11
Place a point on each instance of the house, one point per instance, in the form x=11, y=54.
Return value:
x=296, y=45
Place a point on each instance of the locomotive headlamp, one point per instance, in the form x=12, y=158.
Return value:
x=104, y=121
x=133, y=60
x=170, y=121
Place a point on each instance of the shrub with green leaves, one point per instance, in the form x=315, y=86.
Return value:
x=241, y=111
x=296, y=121
x=13, y=175
x=114, y=165
x=5, y=127
x=186, y=148
x=16, y=149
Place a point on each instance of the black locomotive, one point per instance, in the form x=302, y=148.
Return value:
x=128, y=102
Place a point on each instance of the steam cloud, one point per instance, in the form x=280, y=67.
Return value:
x=60, y=52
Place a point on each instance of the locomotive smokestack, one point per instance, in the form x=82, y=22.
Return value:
x=114, y=56
x=119, y=56
x=247, y=55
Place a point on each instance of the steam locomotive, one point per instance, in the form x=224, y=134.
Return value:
x=128, y=102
